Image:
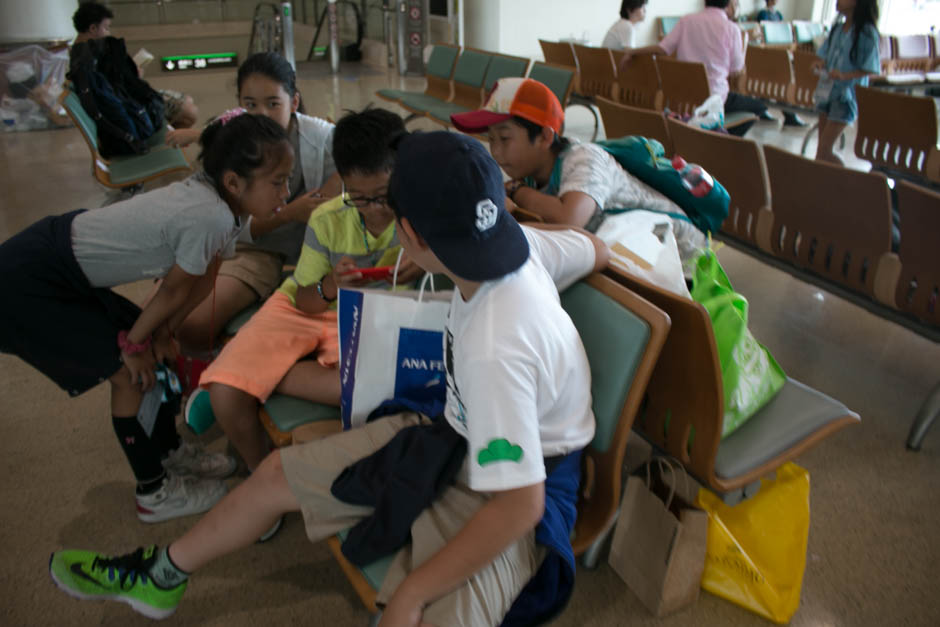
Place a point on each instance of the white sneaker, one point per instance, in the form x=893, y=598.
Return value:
x=179, y=496
x=193, y=460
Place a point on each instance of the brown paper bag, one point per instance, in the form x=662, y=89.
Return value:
x=659, y=544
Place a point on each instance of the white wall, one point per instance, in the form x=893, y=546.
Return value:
x=515, y=26
x=36, y=20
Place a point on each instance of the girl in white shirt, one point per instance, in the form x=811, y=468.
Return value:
x=622, y=34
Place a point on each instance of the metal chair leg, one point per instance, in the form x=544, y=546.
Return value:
x=927, y=413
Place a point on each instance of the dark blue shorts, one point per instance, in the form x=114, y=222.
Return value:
x=51, y=317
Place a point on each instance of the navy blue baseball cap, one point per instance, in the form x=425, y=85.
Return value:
x=451, y=190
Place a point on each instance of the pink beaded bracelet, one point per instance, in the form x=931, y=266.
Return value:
x=129, y=347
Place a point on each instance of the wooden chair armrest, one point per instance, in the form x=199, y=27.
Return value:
x=887, y=274
x=932, y=167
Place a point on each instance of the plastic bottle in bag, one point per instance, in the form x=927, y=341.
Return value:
x=694, y=178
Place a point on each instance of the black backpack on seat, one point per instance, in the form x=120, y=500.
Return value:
x=126, y=109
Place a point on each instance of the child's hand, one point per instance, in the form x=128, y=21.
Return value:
x=165, y=348
x=817, y=64
x=141, y=367
x=836, y=75
x=408, y=271
x=345, y=273
x=181, y=137
x=300, y=208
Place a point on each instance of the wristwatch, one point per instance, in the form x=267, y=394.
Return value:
x=322, y=294
x=512, y=187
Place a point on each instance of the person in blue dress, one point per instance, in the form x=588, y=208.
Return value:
x=770, y=14
x=846, y=59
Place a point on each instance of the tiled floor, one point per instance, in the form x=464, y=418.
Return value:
x=874, y=545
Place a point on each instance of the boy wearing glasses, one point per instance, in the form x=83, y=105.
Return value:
x=353, y=231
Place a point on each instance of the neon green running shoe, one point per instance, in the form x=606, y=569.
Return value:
x=89, y=575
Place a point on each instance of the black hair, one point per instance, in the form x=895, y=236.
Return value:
x=864, y=13
x=559, y=144
x=89, y=14
x=243, y=144
x=273, y=66
x=717, y=4
x=363, y=141
x=630, y=5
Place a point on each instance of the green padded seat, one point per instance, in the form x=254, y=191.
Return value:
x=614, y=339
x=239, y=320
x=776, y=33
x=444, y=110
x=668, y=23
x=374, y=572
x=132, y=168
x=795, y=413
x=440, y=64
x=419, y=102
x=471, y=68
x=288, y=412
x=503, y=67
x=555, y=78
x=129, y=169
x=85, y=124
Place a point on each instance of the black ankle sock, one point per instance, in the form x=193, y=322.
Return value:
x=149, y=487
x=164, y=435
x=142, y=454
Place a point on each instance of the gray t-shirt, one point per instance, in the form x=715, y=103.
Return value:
x=185, y=223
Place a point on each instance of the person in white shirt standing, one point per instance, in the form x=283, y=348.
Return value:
x=622, y=34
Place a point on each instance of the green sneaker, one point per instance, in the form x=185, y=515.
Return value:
x=89, y=575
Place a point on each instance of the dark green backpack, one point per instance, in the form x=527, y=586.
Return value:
x=646, y=159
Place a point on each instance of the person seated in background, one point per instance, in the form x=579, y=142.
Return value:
x=769, y=14
x=93, y=21
x=352, y=231
x=711, y=37
x=622, y=34
x=560, y=181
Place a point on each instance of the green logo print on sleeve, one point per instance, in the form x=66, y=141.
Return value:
x=499, y=450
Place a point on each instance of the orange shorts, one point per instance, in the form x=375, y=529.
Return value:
x=269, y=345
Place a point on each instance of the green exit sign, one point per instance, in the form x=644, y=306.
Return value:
x=188, y=62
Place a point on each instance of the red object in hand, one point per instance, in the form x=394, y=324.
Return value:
x=189, y=369
x=382, y=272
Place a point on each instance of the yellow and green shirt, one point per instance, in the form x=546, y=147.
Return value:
x=335, y=230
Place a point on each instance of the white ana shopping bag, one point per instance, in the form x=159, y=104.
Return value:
x=390, y=346
x=643, y=244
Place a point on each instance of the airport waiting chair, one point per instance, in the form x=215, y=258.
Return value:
x=688, y=426
x=466, y=87
x=621, y=120
x=738, y=163
x=622, y=335
x=897, y=133
x=129, y=171
x=438, y=72
x=827, y=220
x=685, y=87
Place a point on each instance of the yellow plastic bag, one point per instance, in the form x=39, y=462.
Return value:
x=756, y=551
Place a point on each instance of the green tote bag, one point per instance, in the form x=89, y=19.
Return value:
x=750, y=375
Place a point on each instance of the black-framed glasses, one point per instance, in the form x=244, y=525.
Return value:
x=364, y=201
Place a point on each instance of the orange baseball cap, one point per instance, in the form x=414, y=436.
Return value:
x=522, y=97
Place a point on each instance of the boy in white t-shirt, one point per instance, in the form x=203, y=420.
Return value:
x=518, y=394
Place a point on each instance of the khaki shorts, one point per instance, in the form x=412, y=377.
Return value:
x=483, y=599
x=258, y=269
